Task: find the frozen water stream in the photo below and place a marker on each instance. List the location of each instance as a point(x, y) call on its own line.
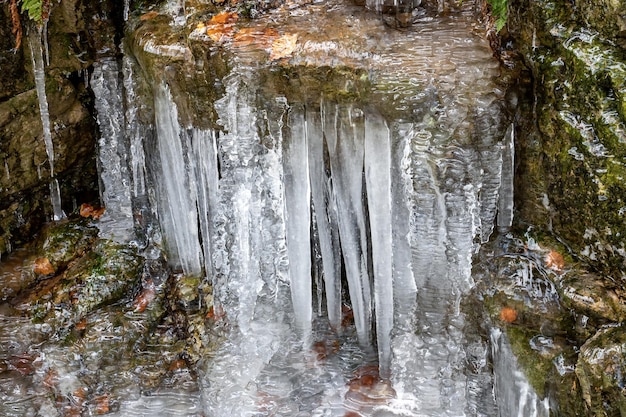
point(338, 232)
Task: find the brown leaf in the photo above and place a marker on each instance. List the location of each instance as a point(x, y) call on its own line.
point(252, 36)
point(16, 23)
point(508, 314)
point(555, 261)
point(224, 18)
point(87, 210)
point(145, 297)
point(43, 266)
point(148, 16)
point(284, 46)
point(102, 404)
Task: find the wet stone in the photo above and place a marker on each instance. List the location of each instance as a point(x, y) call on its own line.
point(601, 371)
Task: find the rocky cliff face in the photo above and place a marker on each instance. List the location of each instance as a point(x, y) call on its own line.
point(571, 195)
point(75, 32)
point(570, 177)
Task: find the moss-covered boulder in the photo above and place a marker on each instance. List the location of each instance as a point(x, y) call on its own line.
point(571, 138)
point(601, 370)
point(102, 276)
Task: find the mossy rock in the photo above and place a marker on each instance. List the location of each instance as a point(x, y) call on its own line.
point(601, 371)
point(67, 240)
point(101, 277)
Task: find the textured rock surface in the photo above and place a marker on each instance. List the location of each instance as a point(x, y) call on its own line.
point(74, 32)
point(572, 153)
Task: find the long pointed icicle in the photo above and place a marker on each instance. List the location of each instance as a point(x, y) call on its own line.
point(297, 206)
point(378, 182)
point(326, 217)
point(346, 160)
point(36, 52)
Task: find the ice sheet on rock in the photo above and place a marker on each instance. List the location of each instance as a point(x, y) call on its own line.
point(113, 165)
point(514, 394)
point(177, 190)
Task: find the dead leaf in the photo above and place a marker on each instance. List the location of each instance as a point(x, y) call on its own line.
point(284, 46)
point(177, 364)
point(555, 261)
point(145, 297)
point(224, 18)
point(508, 314)
point(102, 404)
point(252, 36)
point(43, 266)
point(148, 16)
point(87, 210)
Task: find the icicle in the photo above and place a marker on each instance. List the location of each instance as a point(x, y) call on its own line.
point(378, 181)
point(117, 222)
point(345, 147)
point(298, 218)
point(505, 202)
point(325, 217)
point(178, 198)
point(205, 157)
point(35, 40)
point(134, 130)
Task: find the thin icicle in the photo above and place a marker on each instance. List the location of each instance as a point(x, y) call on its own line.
point(505, 202)
point(297, 203)
point(36, 53)
point(205, 157)
point(325, 217)
point(378, 181)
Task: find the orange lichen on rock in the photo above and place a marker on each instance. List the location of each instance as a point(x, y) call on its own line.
point(220, 27)
point(42, 266)
point(252, 36)
point(555, 261)
point(508, 314)
point(284, 46)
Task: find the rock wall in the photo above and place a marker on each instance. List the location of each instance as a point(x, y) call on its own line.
point(571, 195)
point(75, 32)
point(572, 148)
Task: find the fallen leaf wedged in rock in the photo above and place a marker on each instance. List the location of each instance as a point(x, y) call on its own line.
point(148, 16)
point(508, 314)
point(102, 404)
point(284, 46)
point(555, 261)
point(87, 210)
point(43, 266)
point(224, 18)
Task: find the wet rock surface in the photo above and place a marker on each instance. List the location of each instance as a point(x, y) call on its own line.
point(572, 130)
point(563, 323)
point(99, 325)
